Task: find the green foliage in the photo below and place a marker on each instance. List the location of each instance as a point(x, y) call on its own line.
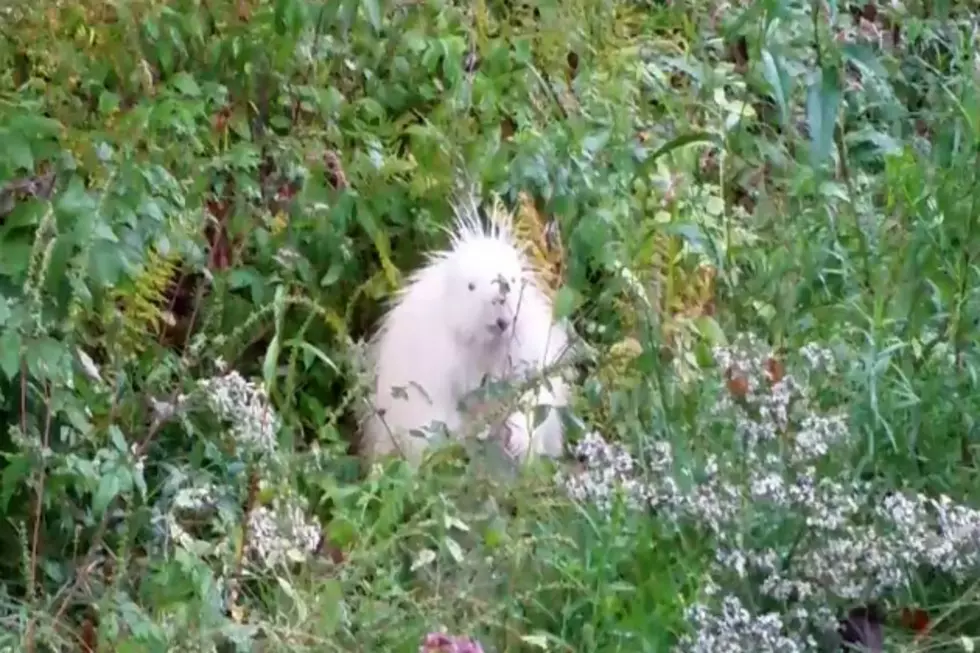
point(188, 187)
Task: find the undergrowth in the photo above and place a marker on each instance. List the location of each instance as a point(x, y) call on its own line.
point(761, 218)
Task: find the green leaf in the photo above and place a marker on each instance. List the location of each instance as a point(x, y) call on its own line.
point(314, 352)
point(690, 233)
point(40, 127)
point(862, 56)
point(17, 469)
point(16, 255)
point(139, 482)
point(373, 11)
point(279, 306)
point(333, 274)
point(18, 150)
point(684, 140)
point(565, 302)
point(47, 358)
point(711, 331)
point(330, 596)
point(822, 103)
point(240, 125)
point(108, 102)
point(4, 310)
point(25, 214)
point(270, 363)
point(109, 485)
point(62, 251)
point(715, 206)
point(455, 550)
point(104, 231)
point(775, 74)
point(882, 143)
point(105, 263)
point(754, 11)
point(10, 342)
point(595, 142)
point(184, 83)
point(117, 438)
point(242, 278)
point(76, 200)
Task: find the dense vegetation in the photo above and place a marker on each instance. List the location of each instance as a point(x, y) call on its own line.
point(761, 216)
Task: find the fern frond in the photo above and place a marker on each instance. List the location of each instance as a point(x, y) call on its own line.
point(278, 223)
point(142, 306)
point(545, 253)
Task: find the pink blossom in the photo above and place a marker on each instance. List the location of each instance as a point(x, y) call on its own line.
point(443, 643)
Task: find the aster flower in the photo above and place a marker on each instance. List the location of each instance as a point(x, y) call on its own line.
point(282, 533)
point(806, 541)
point(245, 406)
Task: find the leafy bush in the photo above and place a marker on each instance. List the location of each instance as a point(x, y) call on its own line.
point(204, 205)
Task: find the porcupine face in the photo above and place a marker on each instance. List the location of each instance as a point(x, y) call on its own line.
point(484, 289)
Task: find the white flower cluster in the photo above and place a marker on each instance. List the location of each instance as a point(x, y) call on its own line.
point(734, 629)
point(769, 405)
point(936, 532)
point(609, 471)
point(245, 406)
point(197, 498)
point(282, 534)
point(278, 533)
point(807, 541)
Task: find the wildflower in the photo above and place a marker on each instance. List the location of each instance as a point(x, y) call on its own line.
point(734, 628)
point(246, 407)
point(807, 541)
point(609, 471)
point(281, 533)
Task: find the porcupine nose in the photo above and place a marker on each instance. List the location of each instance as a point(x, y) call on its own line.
point(502, 285)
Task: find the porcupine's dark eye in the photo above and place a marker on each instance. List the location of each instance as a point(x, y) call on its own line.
point(472, 286)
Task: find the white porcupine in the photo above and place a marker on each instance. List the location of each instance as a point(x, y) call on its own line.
point(473, 312)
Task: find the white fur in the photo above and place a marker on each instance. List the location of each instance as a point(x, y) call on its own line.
point(440, 340)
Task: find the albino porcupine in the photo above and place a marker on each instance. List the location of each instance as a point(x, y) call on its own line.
point(472, 313)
